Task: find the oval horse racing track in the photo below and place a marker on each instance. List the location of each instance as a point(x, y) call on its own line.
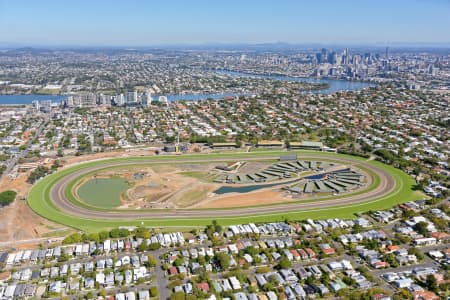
point(52, 198)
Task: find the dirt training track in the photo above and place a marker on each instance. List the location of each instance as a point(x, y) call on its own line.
point(57, 193)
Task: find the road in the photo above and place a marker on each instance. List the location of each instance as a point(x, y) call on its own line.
point(161, 280)
point(57, 195)
point(11, 163)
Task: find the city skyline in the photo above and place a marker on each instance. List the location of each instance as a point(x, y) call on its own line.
point(80, 23)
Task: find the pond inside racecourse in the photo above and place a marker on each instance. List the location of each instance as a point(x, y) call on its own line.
point(103, 192)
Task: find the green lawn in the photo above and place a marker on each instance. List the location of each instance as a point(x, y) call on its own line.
point(190, 197)
point(195, 174)
point(102, 192)
point(39, 201)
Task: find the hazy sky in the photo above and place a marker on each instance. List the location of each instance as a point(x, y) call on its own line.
point(153, 22)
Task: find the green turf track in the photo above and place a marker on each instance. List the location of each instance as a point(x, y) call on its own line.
point(39, 200)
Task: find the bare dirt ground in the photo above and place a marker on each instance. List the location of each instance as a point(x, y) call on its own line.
point(266, 196)
point(18, 221)
point(246, 199)
point(161, 186)
point(253, 167)
point(157, 187)
point(192, 195)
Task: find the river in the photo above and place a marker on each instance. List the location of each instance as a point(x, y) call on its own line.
point(27, 99)
point(334, 85)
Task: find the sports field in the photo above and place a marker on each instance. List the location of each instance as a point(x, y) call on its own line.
point(390, 186)
point(102, 192)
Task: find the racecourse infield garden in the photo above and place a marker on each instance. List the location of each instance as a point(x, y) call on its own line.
point(62, 207)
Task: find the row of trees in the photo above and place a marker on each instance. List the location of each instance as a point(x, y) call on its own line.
point(97, 236)
point(38, 173)
point(42, 171)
